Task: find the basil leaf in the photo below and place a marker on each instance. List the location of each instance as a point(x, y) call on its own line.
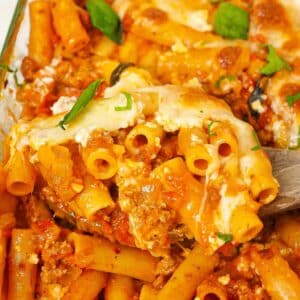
point(224, 236)
point(83, 100)
point(105, 19)
point(115, 75)
point(231, 21)
point(292, 99)
point(128, 105)
point(229, 77)
point(257, 147)
point(274, 63)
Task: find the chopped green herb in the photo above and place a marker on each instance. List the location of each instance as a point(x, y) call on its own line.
point(274, 63)
point(83, 100)
point(224, 236)
point(258, 146)
point(105, 19)
point(128, 105)
point(115, 75)
point(292, 99)
point(201, 111)
point(231, 21)
point(6, 68)
point(211, 133)
point(229, 77)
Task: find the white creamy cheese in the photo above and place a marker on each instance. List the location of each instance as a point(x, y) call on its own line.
point(129, 81)
point(227, 204)
point(63, 104)
point(198, 20)
point(180, 12)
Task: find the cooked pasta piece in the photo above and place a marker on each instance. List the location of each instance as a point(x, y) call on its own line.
point(95, 196)
point(209, 289)
point(148, 293)
point(68, 26)
point(2, 179)
point(7, 222)
point(256, 170)
point(245, 224)
point(186, 197)
point(189, 137)
point(191, 143)
point(101, 162)
point(154, 24)
point(119, 288)
point(146, 138)
point(276, 275)
point(3, 247)
point(20, 175)
point(223, 137)
point(102, 255)
point(195, 267)
point(88, 286)
point(207, 64)
point(198, 159)
point(8, 203)
point(288, 229)
point(41, 33)
point(56, 166)
point(22, 265)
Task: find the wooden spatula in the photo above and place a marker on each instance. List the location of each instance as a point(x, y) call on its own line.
point(286, 168)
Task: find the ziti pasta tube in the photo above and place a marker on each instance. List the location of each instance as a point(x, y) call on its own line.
point(280, 281)
point(88, 286)
point(195, 267)
point(119, 287)
point(22, 265)
point(102, 255)
point(68, 26)
point(41, 33)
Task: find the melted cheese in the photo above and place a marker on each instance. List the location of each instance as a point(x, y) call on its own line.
point(179, 11)
point(174, 108)
point(63, 104)
point(284, 119)
point(227, 205)
point(276, 22)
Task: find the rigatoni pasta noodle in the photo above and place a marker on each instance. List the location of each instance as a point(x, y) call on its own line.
point(20, 178)
point(245, 224)
point(195, 267)
point(41, 48)
point(94, 196)
point(101, 162)
point(94, 280)
point(119, 288)
point(104, 256)
point(208, 288)
point(22, 265)
point(67, 24)
point(280, 281)
point(145, 138)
